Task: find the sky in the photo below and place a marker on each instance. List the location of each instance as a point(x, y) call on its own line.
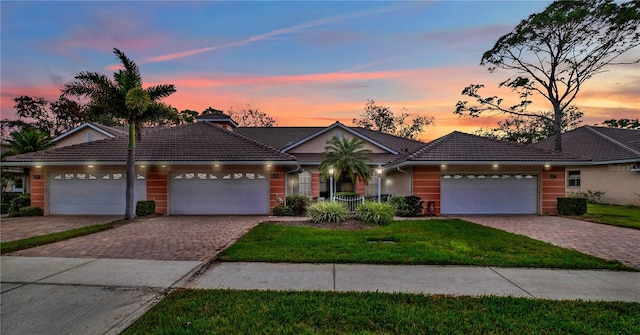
point(305, 63)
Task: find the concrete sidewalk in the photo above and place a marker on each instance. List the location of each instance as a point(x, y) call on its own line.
point(453, 280)
point(82, 295)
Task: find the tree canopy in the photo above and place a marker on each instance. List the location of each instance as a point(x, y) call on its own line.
point(382, 119)
point(553, 53)
point(347, 157)
point(623, 123)
point(27, 140)
point(252, 117)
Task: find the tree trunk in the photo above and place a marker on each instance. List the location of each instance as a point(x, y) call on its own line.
point(131, 172)
point(557, 127)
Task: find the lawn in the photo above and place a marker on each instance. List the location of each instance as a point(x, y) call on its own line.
point(270, 312)
point(623, 216)
point(11, 246)
point(407, 242)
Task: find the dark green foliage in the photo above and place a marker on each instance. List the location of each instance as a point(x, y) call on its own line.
point(375, 213)
point(282, 211)
point(8, 196)
point(4, 208)
point(593, 197)
point(272, 312)
point(407, 206)
point(23, 200)
point(346, 195)
point(572, 206)
point(30, 211)
point(298, 204)
point(145, 207)
point(327, 212)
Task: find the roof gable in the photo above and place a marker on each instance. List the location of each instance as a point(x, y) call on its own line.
point(105, 132)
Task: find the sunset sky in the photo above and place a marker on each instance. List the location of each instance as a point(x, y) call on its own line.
point(304, 63)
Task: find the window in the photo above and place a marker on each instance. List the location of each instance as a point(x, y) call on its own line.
point(89, 136)
point(573, 179)
point(18, 184)
point(304, 183)
point(371, 188)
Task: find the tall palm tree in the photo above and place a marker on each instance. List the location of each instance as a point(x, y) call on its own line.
point(124, 98)
point(27, 140)
point(347, 157)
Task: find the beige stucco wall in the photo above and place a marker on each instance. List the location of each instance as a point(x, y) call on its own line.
point(317, 144)
point(398, 183)
point(79, 137)
point(618, 183)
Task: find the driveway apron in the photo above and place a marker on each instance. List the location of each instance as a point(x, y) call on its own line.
point(25, 227)
point(604, 241)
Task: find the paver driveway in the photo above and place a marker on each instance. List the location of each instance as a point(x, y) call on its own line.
point(25, 227)
point(600, 240)
point(185, 238)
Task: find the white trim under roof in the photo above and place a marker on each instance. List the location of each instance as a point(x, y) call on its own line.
point(80, 127)
point(337, 124)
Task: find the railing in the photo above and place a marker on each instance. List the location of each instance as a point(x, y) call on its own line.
point(351, 203)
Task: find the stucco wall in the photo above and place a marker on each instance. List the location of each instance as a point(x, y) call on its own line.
point(398, 183)
point(316, 145)
point(618, 183)
point(79, 137)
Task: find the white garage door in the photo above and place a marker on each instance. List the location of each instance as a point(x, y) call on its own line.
point(205, 193)
point(489, 194)
point(91, 193)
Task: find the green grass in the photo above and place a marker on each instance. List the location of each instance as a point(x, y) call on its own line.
point(416, 242)
point(270, 312)
point(623, 216)
point(11, 246)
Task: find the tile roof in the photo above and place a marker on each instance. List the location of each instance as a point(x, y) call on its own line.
point(189, 143)
point(457, 146)
point(601, 144)
point(316, 158)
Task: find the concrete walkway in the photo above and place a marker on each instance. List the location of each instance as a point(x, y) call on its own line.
point(453, 280)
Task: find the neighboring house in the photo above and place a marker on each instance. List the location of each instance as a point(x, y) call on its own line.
point(214, 167)
point(615, 168)
point(87, 132)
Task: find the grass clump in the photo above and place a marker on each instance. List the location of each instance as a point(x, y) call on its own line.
point(272, 312)
point(454, 242)
point(11, 246)
point(375, 213)
point(326, 211)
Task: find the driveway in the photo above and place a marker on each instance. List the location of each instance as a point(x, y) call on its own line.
point(604, 241)
point(25, 227)
point(182, 238)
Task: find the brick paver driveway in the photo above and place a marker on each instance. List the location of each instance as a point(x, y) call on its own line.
point(600, 240)
point(25, 227)
point(188, 238)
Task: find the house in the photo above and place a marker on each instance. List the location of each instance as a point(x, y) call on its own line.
point(87, 132)
point(214, 167)
point(615, 167)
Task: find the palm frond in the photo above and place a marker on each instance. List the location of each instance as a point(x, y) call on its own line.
point(160, 91)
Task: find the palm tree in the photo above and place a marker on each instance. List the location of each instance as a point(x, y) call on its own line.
point(124, 98)
point(27, 140)
point(347, 157)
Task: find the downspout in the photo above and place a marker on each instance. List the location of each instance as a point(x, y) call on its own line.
point(410, 178)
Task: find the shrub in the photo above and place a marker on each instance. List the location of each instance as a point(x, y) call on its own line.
point(282, 211)
point(23, 200)
point(572, 206)
point(8, 196)
point(145, 207)
point(30, 211)
point(407, 206)
point(327, 211)
point(592, 197)
point(4, 208)
point(298, 204)
point(376, 213)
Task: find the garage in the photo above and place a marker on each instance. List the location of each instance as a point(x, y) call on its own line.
point(207, 193)
point(489, 194)
point(72, 193)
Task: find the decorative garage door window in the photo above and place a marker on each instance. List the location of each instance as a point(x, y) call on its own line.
point(93, 176)
point(216, 176)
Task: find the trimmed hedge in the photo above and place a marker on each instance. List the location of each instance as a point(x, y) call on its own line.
point(407, 206)
point(145, 207)
point(21, 201)
point(30, 211)
point(282, 211)
point(297, 204)
point(572, 206)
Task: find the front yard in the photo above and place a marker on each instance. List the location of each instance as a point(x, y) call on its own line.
point(407, 242)
point(623, 216)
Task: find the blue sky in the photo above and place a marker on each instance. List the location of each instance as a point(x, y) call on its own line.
point(304, 63)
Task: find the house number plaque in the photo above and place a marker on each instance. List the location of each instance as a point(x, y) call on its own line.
point(275, 176)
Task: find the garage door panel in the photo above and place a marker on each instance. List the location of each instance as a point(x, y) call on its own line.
point(216, 196)
point(497, 195)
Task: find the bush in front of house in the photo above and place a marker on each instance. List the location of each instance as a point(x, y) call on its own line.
point(593, 197)
point(572, 206)
point(30, 211)
point(298, 204)
point(375, 213)
point(21, 201)
point(407, 206)
point(282, 211)
point(145, 207)
point(8, 196)
point(326, 211)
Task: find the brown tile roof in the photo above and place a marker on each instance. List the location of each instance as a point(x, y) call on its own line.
point(457, 146)
point(601, 144)
point(316, 158)
point(190, 143)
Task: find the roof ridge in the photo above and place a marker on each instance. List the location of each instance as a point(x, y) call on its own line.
point(614, 141)
point(233, 133)
point(430, 145)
